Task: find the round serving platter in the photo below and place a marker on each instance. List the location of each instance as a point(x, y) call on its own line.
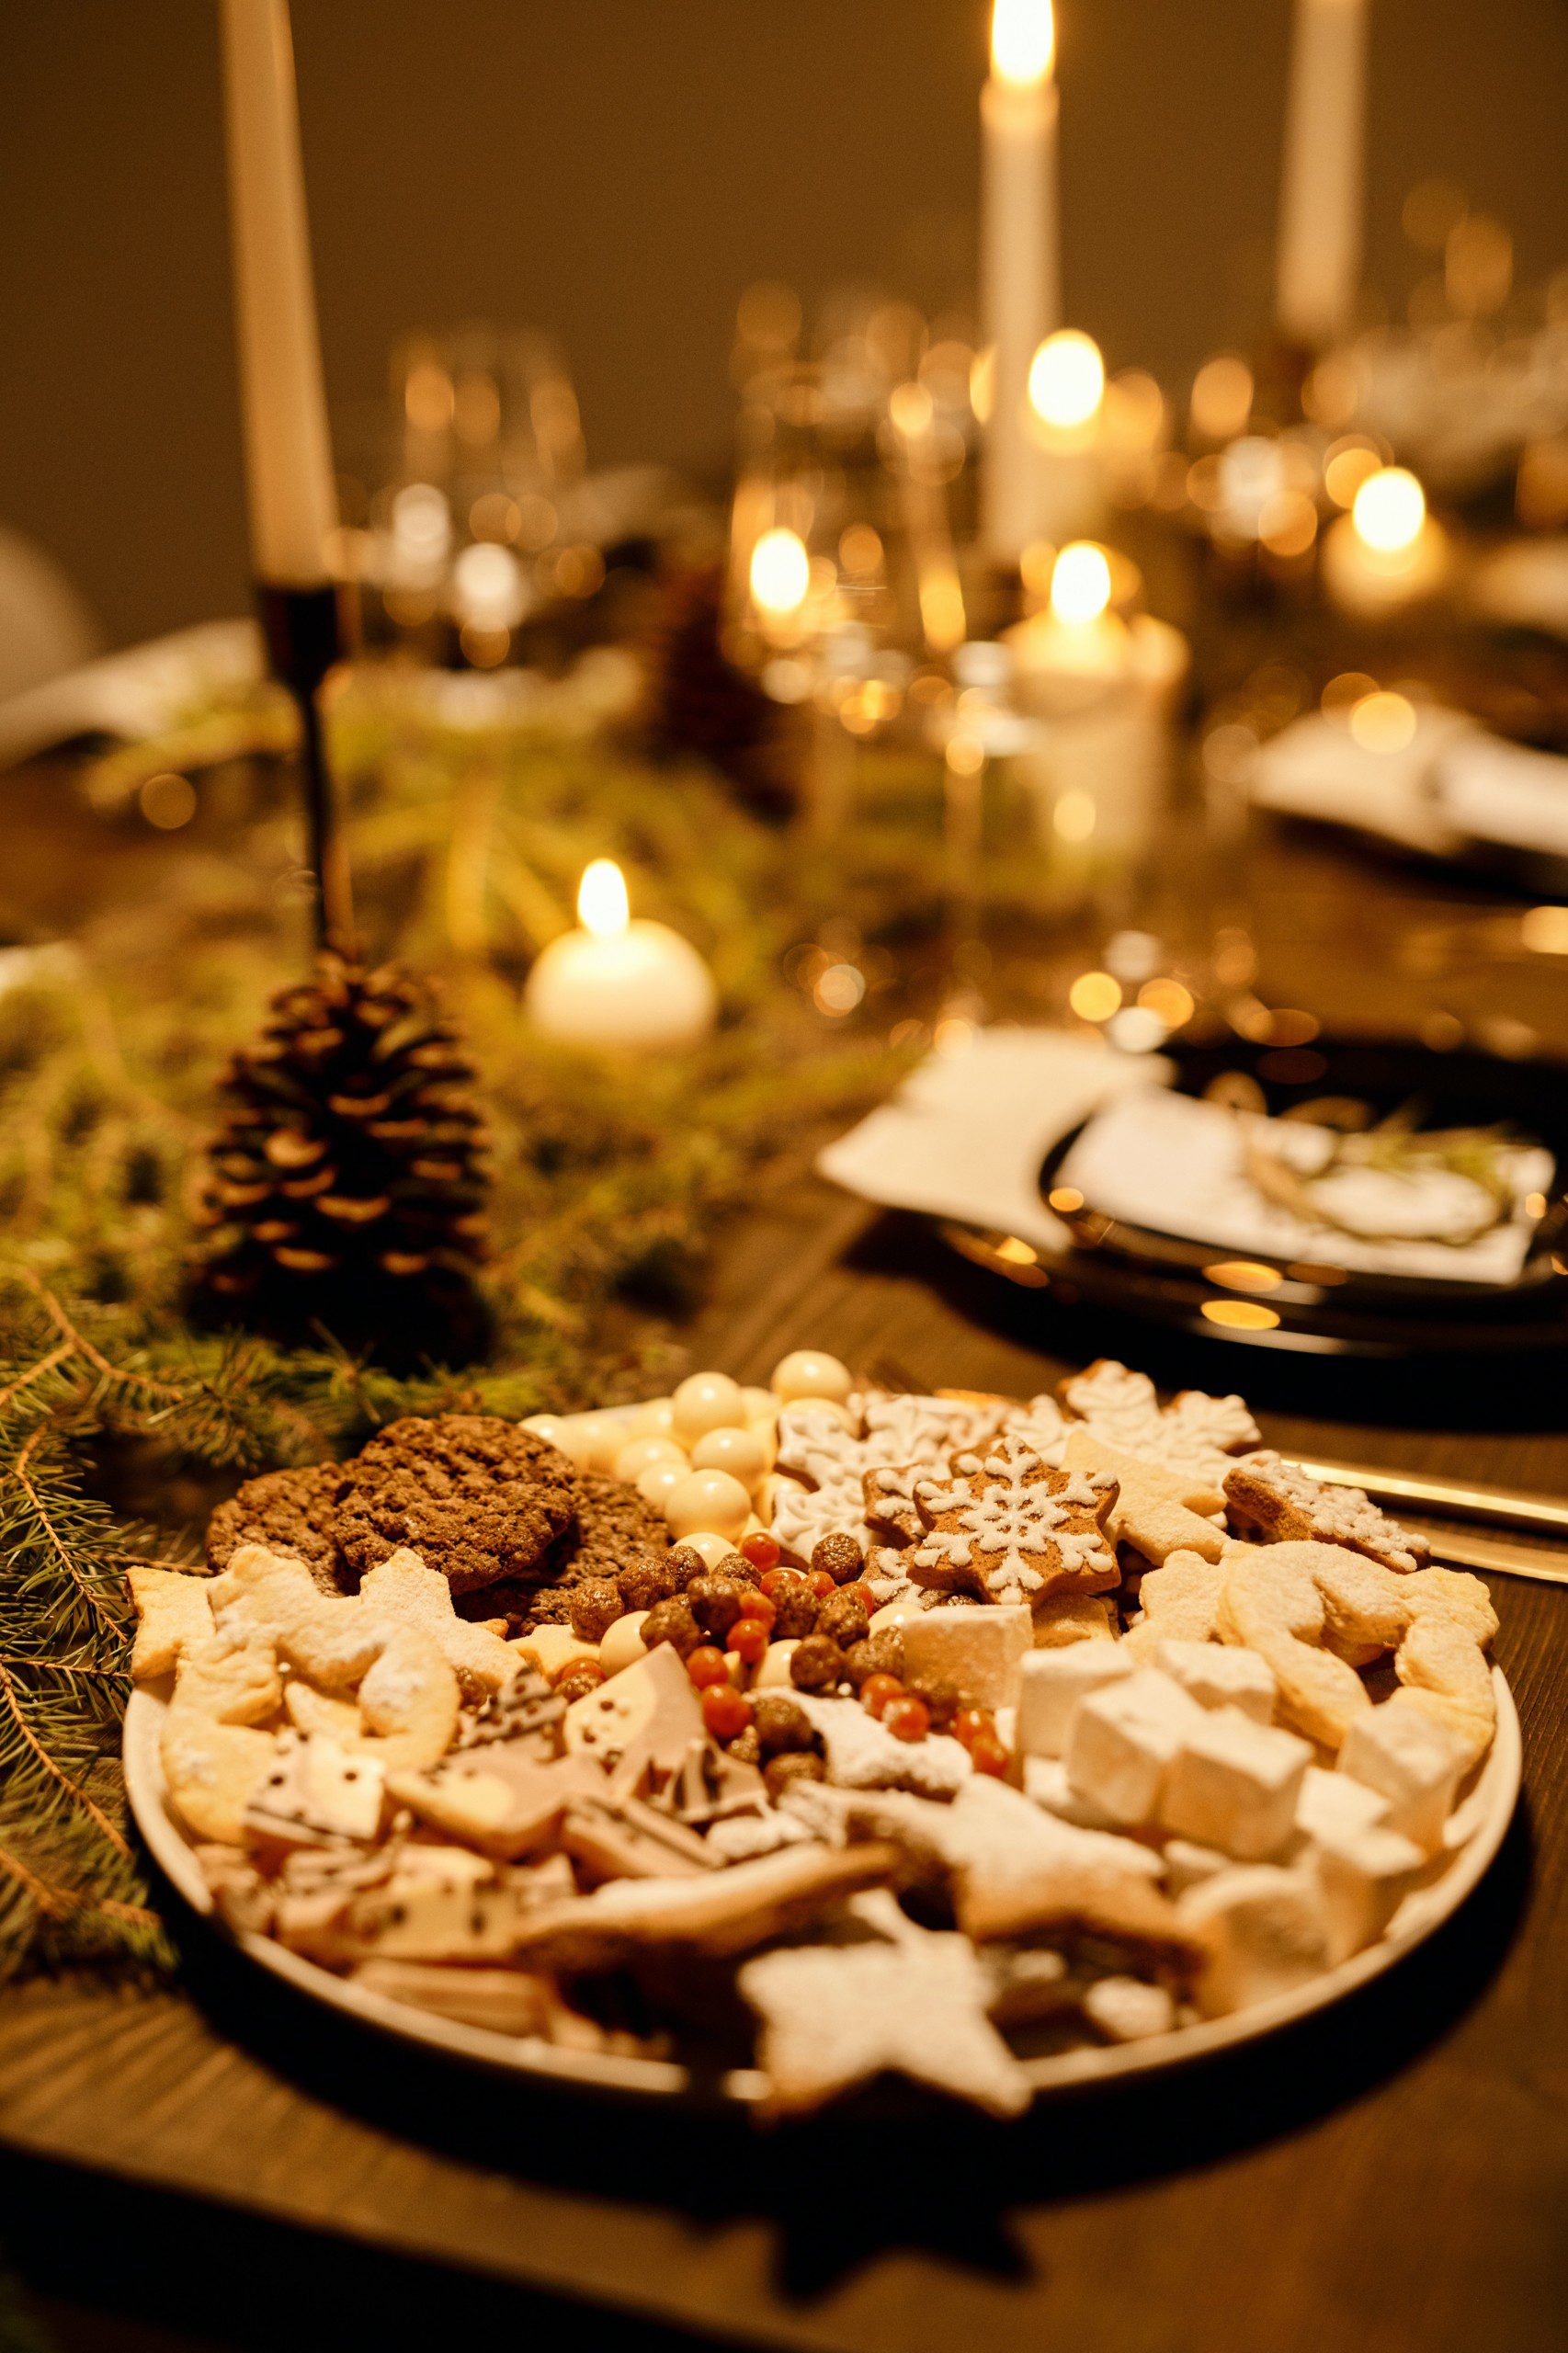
point(1310, 1309)
point(1475, 1831)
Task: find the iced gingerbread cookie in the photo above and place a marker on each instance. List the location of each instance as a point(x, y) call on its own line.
point(1006, 1526)
point(1275, 1501)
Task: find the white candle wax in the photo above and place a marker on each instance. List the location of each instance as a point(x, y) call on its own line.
point(1020, 283)
point(619, 985)
point(1320, 199)
point(293, 504)
point(1387, 553)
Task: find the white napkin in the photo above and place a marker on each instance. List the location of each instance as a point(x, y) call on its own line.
point(1451, 783)
point(1175, 1166)
point(966, 1135)
point(132, 695)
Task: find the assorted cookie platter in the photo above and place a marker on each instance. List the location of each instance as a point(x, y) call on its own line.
point(758, 1743)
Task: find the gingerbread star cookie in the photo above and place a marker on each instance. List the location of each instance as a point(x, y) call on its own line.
point(835, 2016)
point(1276, 1502)
point(1007, 1526)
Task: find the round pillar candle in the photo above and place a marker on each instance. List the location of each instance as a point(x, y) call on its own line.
point(619, 985)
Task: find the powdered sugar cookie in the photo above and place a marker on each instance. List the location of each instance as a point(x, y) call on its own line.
point(233, 1678)
point(1195, 1434)
point(1151, 1511)
point(1273, 1606)
point(174, 1611)
point(402, 1587)
point(1179, 1600)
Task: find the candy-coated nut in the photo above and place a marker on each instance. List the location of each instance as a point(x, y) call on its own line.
point(623, 1645)
point(907, 1718)
point(773, 1672)
point(760, 1549)
point(704, 1401)
point(747, 1638)
point(641, 1455)
point(706, 1664)
point(808, 1373)
point(878, 1691)
point(725, 1712)
point(891, 1614)
point(710, 1547)
point(707, 1500)
point(737, 1451)
point(552, 1649)
point(654, 1484)
point(656, 1418)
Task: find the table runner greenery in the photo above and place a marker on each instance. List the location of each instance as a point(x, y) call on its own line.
point(120, 1424)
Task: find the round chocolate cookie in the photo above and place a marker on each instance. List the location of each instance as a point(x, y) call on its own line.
point(615, 1525)
point(473, 1537)
point(288, 1511)
point(468, 1449)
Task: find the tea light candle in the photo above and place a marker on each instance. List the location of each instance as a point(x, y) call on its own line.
point(1021, 288)
point(1320, 207)
point(616, 984)
point(1387, 553)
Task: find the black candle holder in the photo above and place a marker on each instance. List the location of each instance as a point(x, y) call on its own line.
point(305, 637)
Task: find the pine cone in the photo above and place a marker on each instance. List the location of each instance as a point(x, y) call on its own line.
point(699, 701)
point(346, 1187)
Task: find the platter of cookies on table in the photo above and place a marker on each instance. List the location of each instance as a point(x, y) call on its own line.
point(750, 1745)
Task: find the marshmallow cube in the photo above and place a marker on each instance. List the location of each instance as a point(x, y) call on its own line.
point(1267, 1932)
point(1218, 1676)
point(1233, 1784)
point(1333, 1804)
point(1125, 2009)
point(1411, 1759)
point(1121, 1740)
point(1363, 1874)
point(1046, 1783)
point(1052, 1682)
point(980, 1650)
point(1189, 1865)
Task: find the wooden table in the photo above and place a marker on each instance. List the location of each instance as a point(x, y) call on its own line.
point(229, 2166)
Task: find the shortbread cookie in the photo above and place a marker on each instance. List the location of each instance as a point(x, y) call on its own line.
point(1180, 1601)
point(1443, 1667)
point(863, 1755)
point(403, 1587)
point(500, 1798)
point(728, 1910)
point(287, 1511)
point(1273, 1607)
point(1006, 1526)
point(1195, 1434)
point(1152, 1511)
point(1274, 1500)
point(1061, 1618)
point(174, 1613)
point(211, 1771)
point(1451, 1593)
point(233, 1678)
point(316, 1793)
point(834, 2017)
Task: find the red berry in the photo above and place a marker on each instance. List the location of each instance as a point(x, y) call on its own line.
point(877, 1691)
point(970, 1724)
point(725, 1711)
point(706, 1665)
point(988, 1756)
point(757, 1605)
point(771, 1579)
point(821, 1584)
point(761, 1549)
point(747, 1638)
point(907, 1718)
point(587, 1671)
point(867, 1595)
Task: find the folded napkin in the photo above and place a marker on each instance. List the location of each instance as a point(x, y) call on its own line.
point(1451, 785)
point(134, 695)
point(967, 1134)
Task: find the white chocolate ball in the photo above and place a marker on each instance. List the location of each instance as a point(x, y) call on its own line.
point(654, 1419)
point(706, 1401)
point(711, 1548)
point(623, 1645)
point(605, 1433)
point(809, 1372)
point(761, 1405)
point(739, 1452)
point(775, 1667)
point(547, 1426)
point(708, 1499)
point(641, 1454)
point(890, 1614)
point(654, 1484)
point(576, 1437)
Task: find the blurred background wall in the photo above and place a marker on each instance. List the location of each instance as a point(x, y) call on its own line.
point(618, 171)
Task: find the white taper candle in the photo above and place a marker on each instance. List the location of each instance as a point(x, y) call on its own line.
point(1321, 198)
point(1021, 262)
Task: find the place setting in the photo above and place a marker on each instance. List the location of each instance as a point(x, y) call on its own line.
point(784, 1256)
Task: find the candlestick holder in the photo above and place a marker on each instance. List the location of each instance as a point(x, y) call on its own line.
point(304, 638)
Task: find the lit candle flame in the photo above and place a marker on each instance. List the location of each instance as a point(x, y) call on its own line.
point(602, 904)
point(780, 571)
point(1067, 378)
point(1023, 41)
point(1080, 583)
point(1390, 509)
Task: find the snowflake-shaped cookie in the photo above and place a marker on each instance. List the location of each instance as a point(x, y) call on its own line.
point(1010, 1527)
point(825, 1465)
point(1195, 1434)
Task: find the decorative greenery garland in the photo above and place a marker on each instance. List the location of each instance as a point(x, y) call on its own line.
point(120, 1425)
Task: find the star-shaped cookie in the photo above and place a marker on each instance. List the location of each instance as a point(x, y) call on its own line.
point(833, 2017)
point(1007, 1526)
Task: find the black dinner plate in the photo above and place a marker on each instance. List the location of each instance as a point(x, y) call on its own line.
point(1314, 1307)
